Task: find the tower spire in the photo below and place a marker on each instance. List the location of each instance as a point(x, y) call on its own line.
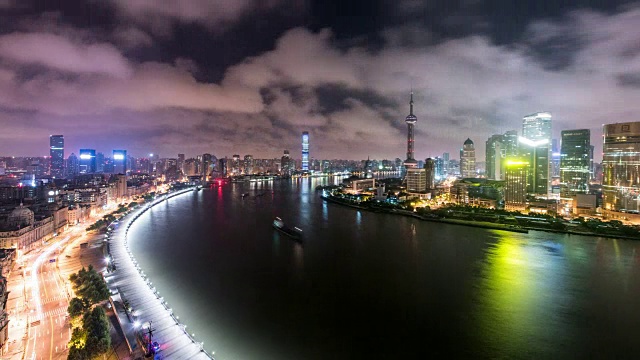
point(411, 104)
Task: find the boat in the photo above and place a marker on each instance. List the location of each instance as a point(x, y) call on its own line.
point(295, 232)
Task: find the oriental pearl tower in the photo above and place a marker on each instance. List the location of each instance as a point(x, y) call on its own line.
point(411, 119)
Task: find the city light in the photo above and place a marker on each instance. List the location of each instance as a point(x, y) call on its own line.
point(533, 143)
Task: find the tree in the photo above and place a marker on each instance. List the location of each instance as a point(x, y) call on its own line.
point(90, 286)
point(96, 326)
point(76, 307)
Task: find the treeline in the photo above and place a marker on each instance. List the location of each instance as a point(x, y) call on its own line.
point(90, 335)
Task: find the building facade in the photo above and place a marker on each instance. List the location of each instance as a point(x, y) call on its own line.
point(119, 158)
point(574, 162)
point(515, 186)
point(56, 152)
point(535, 144)
point(87, 163)
point(305, 151)
point(468, 159)
point(621, 167)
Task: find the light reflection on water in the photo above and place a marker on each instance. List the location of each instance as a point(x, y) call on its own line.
point(374, 285)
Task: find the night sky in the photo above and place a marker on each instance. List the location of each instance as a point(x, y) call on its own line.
point(247, 77)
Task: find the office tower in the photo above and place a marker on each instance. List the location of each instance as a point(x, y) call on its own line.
point(235, 165)
point(438, 170)
point(535, 144)
point(206, 166)
point(411, 119)
point(87, 163)
point(493, 157)
point(592, 167)
point(56, 152)
point(181, 163)
point(468, 159)
point(430, 169)
point(119, 158)
point(224, 171)
point(621, 167)
point(447, 168)
point(416, 180)
point(574, 162)
point(248, 164)
point(285, 164)
point(121, 185)
point(515, 185)
point(555, 158)
point(72, 166)
point(305, 151)
point(100, 162)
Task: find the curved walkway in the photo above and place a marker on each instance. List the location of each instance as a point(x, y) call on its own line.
point(132, 284)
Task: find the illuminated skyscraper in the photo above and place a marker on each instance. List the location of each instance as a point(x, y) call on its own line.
point(56, 151)
point(119, 158)
point(468, 159)
point(535, 144)
point(515, 185)
point(248, 164)
point(411, 119)
point(621, 167)
point(574, 162)
point(87, 163)
point(305, 151)
point(286, 165)
point(206, 166)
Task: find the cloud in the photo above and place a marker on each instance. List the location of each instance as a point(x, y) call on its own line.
point(58, 52)
point(132, 38)
point(159, 15)
point(352, 100)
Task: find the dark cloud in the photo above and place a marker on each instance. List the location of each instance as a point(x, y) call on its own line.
point(631, 80)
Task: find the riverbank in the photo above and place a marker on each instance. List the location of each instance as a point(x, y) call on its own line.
point(472, 223)
point(129, 282)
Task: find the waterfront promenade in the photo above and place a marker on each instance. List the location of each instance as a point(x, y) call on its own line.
point(129, 282)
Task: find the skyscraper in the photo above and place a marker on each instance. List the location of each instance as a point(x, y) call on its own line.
point(468, 159)
point(574, 162)
point(56, 152)
point(535, 144)
point(286, 168)
point(248, 164)
point(87, 163)
point(305, 151)
point(411, 119)
point(621, 167)
point(206, 166)
point(181, 163)
point(72, 166)
point(515, 185)
point(119, 161)
point(493, 157)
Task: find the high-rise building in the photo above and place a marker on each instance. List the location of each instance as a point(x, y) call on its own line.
point(468, 159)
point(119, 158)
point(56, 152)
point(574, 162)
point(181, 163)
point(286, 166)
point(411, 119)
point(248, 164)
point(87, 163)
point(100, 160)
point(555, 159)
point(430, 168)
point(621, 167)
point(206, 166)
point(493, 157)
point(535, 144)
point(72, 166)
point(235, 165)
point(305, 151)
point(416, 180)
point(515, 185)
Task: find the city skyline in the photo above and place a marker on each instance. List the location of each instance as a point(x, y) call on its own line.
point(146, 87)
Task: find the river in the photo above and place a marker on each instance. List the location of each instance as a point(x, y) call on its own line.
point(369, 285)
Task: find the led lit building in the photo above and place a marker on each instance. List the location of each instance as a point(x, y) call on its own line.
point(410, 162)
point(305, 151)
point(535, 144)
point(56, 152)
point(468, 159)
point(119, 158)
point(621, 167)
point(574, 162)
point(87, 162)
point(515, 186)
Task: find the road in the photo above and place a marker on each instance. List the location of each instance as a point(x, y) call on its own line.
point(45, 295)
